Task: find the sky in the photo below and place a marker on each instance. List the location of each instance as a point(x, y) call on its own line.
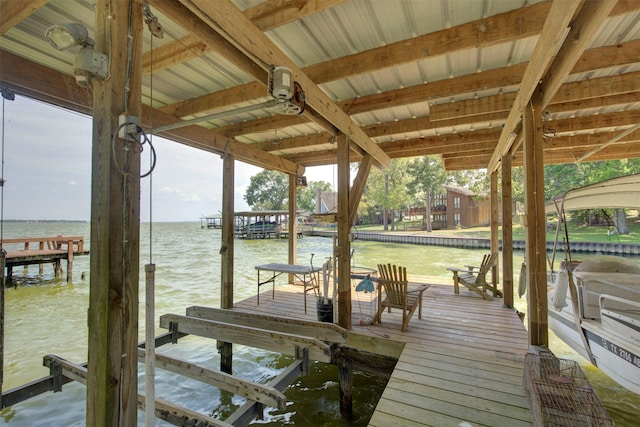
point(47, 170)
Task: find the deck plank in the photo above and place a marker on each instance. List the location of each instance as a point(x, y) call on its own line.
point(462, 362)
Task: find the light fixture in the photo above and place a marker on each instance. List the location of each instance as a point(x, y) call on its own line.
point(87, 63)
point(66, 36)
point(301, 181)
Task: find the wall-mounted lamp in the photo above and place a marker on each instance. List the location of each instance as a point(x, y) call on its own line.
point(301, 181)
point(87, 64)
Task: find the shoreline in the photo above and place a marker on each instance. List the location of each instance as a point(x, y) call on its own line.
point(413, 238)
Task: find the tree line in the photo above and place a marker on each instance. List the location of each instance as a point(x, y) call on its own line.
point(413, 182)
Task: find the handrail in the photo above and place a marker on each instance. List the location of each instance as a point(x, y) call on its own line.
point(54, 242)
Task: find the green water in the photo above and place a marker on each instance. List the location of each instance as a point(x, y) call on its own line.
point(45, 315)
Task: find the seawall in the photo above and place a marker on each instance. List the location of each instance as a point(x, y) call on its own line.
point(480, 243)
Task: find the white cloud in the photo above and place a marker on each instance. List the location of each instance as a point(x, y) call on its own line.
point(185, 184)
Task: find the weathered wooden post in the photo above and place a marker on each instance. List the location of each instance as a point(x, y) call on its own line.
point(226, 254)
point(3, 263)
point(57, 268)
point(345, 376)
point(507, 232)
point(70, 261)
point(41, 265)
point(494, 241)
point(536, 239)
point(112, 372)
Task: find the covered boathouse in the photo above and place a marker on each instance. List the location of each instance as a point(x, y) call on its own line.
point(285, 85)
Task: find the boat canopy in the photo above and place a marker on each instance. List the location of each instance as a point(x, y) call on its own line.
point(622, 192)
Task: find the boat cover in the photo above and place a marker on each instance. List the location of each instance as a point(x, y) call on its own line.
point(622, 192)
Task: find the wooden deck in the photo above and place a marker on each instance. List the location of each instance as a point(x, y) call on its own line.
point(21, 251)
point(463, 361)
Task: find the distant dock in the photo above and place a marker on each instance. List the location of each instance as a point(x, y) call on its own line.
point(39, 250)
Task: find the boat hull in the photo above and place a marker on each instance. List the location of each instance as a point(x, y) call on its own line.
point(615, 357)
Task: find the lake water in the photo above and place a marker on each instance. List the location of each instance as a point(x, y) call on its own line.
point(49, 316)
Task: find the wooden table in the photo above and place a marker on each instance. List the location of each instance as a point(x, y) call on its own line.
point(299, 271)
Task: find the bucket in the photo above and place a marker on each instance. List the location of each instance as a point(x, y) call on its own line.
point(325, 311)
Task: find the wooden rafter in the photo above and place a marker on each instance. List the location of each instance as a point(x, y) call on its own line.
point(549, 41)
point(220, 100)
point(34, 80)
point(275, 13)
point(502, 28)
point(194, 26)
point(12, 12)
point(226, 18)
point(170, 54)
point(583, 28)
point(569, 92)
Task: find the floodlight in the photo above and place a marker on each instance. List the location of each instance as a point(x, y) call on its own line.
point(87, 63)
point(65, 36)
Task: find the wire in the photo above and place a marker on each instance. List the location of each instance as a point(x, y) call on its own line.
point(132, 137)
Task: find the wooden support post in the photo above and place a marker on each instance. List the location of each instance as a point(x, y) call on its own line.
point(293, 222)
point(41, 265)
point(345, 381)
point(358, 186)
point(226, 254)
point(112, 375)
point(344, 228)
point(227, 248)
point(70, 261)
point(57, 267)
point(344, 269)
point(507, 232)
point(3, 263)
point(495, 244)
point(536, 245)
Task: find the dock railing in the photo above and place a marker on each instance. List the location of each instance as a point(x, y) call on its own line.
point(38, 250)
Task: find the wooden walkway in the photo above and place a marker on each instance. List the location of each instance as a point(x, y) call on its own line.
point(462, 362)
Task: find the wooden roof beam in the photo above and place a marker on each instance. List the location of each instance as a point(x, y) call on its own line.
point(275, 13)
point(549, 41)
point(583, 28)
point(598, 121)
point(170, 54)
point(224, 17)
point(588, 141)
point(595, 58)
point(592, 59)
point(38, 82)
point(609, 90)
point(194, 26)
point(489, 31)
point(217, 101)
point(13, 12)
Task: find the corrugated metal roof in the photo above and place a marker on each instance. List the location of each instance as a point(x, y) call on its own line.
point(346, 29)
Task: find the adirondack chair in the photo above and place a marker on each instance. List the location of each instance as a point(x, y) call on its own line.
point(474, 277)
point(398, 294)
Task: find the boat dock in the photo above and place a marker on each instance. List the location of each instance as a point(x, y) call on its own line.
point(39, 250)
point(463, 361)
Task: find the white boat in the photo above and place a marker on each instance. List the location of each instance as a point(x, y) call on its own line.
point(594, 306)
